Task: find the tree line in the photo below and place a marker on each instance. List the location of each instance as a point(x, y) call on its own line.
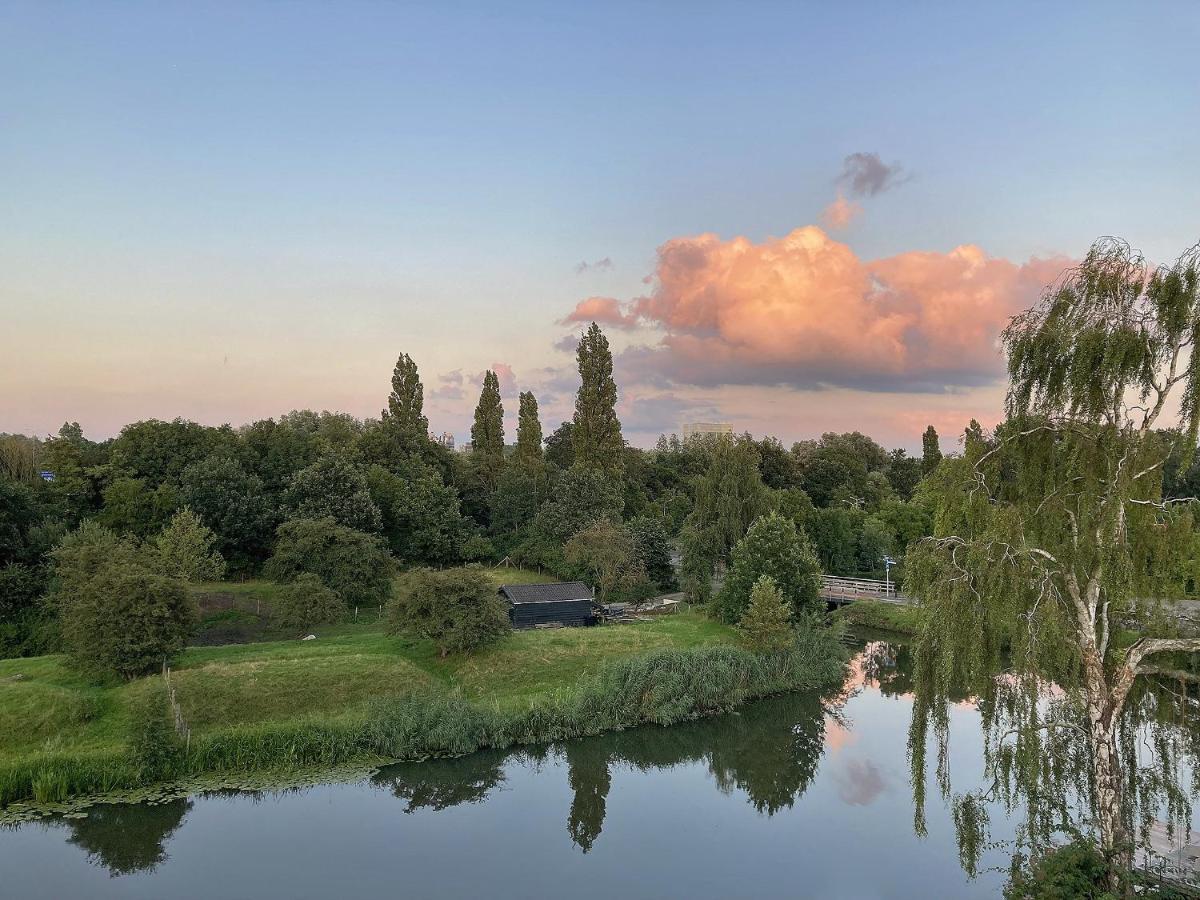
point(346, 501)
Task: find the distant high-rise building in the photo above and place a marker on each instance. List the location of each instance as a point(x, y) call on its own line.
point(445, 439)
point(706, 429)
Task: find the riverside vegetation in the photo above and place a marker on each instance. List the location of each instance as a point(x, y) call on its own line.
point(364, 696)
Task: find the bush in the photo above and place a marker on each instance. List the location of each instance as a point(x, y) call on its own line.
point(307, 602)
point(85, 552)
point(125, 620)
point(458, 609)
point(1075, 870)
point(772, 547)
point(184, 550)
point(154, 745)
point(766, 626)
point(355, 565)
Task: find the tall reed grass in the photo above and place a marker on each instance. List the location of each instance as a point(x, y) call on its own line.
point(662, 688)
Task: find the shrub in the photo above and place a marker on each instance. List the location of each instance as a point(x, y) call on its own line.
point(125, 620)
point(85, 552)
point(1075, 870)
point(605, 552)
point(458, 609)
point(766, 626)
point(306, 602)
point(184, 549)
point(772, 547)
point(355, 565)
point(154, 745)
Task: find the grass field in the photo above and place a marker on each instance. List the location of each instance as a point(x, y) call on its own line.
point(44, 705)
point(357, 691)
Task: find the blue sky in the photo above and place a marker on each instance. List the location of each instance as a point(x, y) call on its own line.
point(230, 210)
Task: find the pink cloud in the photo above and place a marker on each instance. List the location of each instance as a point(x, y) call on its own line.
point(840, 213)
point(603, 310)
point(804, 310)
point(504, 374)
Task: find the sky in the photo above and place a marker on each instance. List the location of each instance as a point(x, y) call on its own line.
point(792, 217)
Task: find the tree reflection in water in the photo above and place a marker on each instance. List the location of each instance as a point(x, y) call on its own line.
point(442, 783)
point(769, 750)
point(127, 837)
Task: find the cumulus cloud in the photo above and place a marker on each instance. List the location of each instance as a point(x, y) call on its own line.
point(449, 386)
point(602, 310)
point(840, 213)
point(805, 311)
point(506, 377)
point(584, 265)
point(860, 781)
point(865, 175)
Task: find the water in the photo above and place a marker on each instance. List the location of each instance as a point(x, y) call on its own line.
point(799, 796)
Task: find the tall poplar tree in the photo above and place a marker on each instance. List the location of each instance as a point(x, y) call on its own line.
point(407, 400)
point(487, 434)
point(931, 449)
point(597, 430)
point(529, 430)
point(1050, 535)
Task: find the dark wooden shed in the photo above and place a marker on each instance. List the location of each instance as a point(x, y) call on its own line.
point(563, 603)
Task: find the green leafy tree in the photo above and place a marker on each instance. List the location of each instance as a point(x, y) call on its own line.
point(772, 546)
point(728, 497)
point(76, 464)
point(560, 446)
point(777, 465)
point(931, 450)
point(394, 446)
point(19, 512)
point(529, 430)
point(458, 609)
point(21, 616)
point(653, 546)
point(132, 507)
point(1047, 533)
point(85, 552)
point(406, 403)
point(235, 505)
point(766, 626)
point(334, 487)
point(605, 552)
point(308, 602)
point(125, 620)
point(520, 492)
point(579, 497)
point(184, 550)
point(422, 519)
point(596, 436)
point(156, 451)
point(487, 434)
point(278, 450)
point(354, 564)
point(903, 473)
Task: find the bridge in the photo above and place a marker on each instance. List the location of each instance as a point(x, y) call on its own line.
point(840, 591)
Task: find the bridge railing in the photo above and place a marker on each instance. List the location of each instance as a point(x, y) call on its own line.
point(865, 588)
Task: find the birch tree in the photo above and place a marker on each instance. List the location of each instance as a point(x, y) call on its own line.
point(1051, 535)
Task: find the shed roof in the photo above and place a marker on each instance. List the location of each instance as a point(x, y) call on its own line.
point(543, 593)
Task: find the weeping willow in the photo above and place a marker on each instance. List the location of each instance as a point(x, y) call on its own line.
point(1055, 560)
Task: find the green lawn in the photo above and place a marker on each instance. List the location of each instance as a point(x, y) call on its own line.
point(45, 706)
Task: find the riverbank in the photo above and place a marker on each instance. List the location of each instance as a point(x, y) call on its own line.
point(882, 616)
point(366, 696)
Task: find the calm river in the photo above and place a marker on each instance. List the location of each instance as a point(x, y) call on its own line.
point(798, 796)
